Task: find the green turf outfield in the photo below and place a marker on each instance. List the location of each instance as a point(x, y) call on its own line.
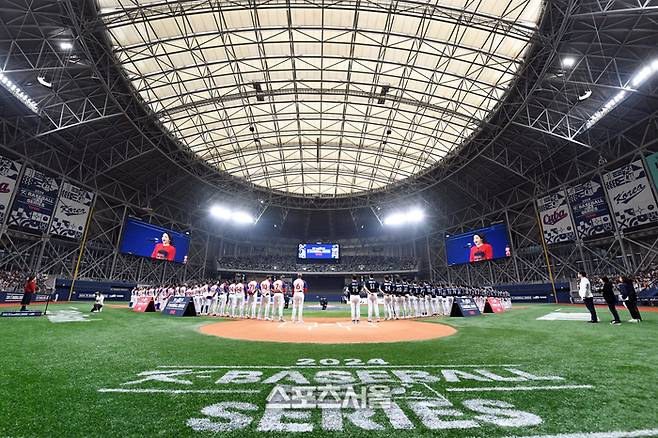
point(52, 374)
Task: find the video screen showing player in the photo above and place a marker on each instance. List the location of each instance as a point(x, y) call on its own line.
point(164, 250)
point(488, 243)
point(148, 240)
point(481, 250)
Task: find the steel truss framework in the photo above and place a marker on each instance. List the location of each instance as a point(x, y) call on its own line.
point(92, 130)
point(622, 252)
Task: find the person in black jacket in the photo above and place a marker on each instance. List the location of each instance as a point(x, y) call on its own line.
point(610, 299)
point(629, 296)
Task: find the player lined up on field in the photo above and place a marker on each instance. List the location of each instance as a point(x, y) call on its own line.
point(265, 300)
point(404, 298)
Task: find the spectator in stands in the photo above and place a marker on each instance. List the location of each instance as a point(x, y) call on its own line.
point(29, 289)
point(585, 292)
point(610, 299)
point(627, 291)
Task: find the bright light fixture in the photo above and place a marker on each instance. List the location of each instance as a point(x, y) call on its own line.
point(18, 93)
point(638, 79)
point(220, 212)
point(568, 61)
point(224, 213)
point(241, 217)
point(412, 216)
point(66, 45)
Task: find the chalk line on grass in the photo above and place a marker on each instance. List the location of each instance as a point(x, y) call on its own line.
point(519, 388)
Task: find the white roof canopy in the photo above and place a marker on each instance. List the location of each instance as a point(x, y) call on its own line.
point(285, 93)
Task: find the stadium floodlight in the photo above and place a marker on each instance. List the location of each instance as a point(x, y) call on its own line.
point(568, 61)
point(18, 93)
point(224, 213)
point(638, 79)
point(65, 45)
point(241, 217)
point(411, 216)
point(415, 215)
point(394, 219)
point(220, 212)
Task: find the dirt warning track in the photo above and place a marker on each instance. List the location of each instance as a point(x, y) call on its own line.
point(328, 331)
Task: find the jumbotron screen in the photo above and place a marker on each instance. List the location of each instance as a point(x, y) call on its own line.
point(148, 240)
point(318, 251)
point(487, 243)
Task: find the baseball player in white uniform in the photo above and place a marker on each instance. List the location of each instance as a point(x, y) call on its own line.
point(265, 287)
point(239, 298)
point(427, 291)
point(372, 288)
point(299, 288)
point(252, 295)
point(434, 300)
point(214, 293)
point(209, 295)
point(220, 308)
point(388, 289)
point(279, 288)
point(232, 298)
point(196, 298)
point(354, 289)
point(448, 297)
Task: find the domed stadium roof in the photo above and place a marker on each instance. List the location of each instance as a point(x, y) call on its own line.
point(321, 99)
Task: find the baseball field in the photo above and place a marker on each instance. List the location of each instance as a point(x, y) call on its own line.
point(120, 373)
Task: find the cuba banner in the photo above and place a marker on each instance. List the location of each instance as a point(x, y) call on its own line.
point(630, 196)
point(9, 170)
point(591, 213)
point(35, 201)
point(71, 212)
point(556, 218)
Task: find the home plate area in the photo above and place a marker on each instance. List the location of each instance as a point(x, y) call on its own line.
point(328, 331)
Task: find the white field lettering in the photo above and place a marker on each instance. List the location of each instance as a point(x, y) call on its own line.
point(349, 393)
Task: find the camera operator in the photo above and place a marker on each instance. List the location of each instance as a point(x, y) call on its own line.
point(99, 299)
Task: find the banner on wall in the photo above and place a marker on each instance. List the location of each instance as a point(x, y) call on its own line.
point(630, 196)
point(35, 201)
point(9, 170)
point(652, 167)
point(591, 213)
point(71, 212)
point(556, 218)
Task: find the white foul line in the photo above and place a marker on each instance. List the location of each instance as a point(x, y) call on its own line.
point(180, 391)
point(359, 367)
point(435, 392)
point(518, 388)
point(617, 434)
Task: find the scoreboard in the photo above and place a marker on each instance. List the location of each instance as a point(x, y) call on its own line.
point(318, 251)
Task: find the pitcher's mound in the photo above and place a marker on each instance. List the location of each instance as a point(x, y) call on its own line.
point(328, 331)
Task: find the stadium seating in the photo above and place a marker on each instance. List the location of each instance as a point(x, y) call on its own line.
point(290, 264)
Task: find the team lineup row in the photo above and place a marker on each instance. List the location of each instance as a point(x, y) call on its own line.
point(402, 299)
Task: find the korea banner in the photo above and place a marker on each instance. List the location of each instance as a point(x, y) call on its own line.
point(35, 201)
point(556, 218)
point(71, 212)
point(9, 170)
point(591, 213)
point(630, 196)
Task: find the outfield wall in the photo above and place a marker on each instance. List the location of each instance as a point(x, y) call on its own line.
point(536, 293)
point(85, 289)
